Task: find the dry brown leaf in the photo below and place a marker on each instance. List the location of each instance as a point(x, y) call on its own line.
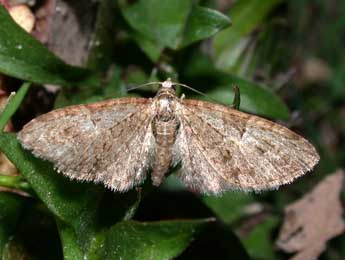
point(66, 28)
point(311, 221)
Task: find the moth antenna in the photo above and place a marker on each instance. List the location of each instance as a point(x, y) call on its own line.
point(144, 85)
point(196, 91)
point(150, 83)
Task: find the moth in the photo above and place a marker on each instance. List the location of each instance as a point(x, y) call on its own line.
point(116, 142)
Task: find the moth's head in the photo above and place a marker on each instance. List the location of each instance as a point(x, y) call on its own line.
point(167, 88)
point(168, 84)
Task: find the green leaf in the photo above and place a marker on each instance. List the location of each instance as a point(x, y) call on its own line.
point(150, 240)
point(161, 21)
point(13, 105)
point(203, 23)
point(173, 24)
point(10, 210)
point(231, 43)
point(23, 57)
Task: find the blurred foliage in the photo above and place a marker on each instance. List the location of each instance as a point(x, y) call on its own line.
point(286, 57)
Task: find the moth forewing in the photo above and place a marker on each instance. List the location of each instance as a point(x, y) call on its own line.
point(107, 142)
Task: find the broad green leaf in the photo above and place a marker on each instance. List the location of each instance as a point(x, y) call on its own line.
point(246, 16)
point(173, 24)
point(259, 242)
point(13, 105)
point(10, 210)
point(23, 57)
point(150, 240)
point(255, 98)
point(203, 23)
point(230, 206)
point(161, 21)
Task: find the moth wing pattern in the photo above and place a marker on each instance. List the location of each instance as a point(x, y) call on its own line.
point(222, 148)
point(109, 142)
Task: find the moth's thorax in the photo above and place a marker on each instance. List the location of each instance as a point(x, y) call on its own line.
point(165, 102)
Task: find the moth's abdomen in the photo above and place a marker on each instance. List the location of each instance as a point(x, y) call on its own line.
point(165, 135)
